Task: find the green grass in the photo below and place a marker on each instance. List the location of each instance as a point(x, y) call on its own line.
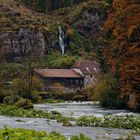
point(122, 122)
point(80, 137)
point(57, 60)
point(24, 134)
point(13, 111)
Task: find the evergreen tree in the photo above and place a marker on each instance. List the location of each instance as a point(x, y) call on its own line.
point(49, 5)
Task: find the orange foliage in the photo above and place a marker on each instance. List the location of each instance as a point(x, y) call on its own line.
point(124, 23)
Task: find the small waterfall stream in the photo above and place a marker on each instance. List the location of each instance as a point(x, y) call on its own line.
point(61, 39)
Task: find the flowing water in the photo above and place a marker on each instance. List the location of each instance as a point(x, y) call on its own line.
point(61, 39)
point(74, 109)
point(77, 109)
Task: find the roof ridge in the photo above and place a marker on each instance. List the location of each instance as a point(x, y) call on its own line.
point(58, 73)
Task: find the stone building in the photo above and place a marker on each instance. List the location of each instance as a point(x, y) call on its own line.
point(82, 74)
point(66, 77)
point(88, 69)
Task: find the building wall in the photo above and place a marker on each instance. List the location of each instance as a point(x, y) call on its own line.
point(89, 80)
point(67, 82)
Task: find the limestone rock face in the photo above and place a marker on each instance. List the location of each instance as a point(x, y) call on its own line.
point(24, 33)
point(22, 43)
point(91, 23)
point(89, 18)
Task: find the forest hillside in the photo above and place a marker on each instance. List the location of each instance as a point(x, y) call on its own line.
point(107, 31)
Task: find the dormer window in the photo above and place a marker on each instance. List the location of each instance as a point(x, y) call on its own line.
point(95, 69)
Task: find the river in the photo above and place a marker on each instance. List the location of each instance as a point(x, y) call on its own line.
point(77, 109)
point(74, 109)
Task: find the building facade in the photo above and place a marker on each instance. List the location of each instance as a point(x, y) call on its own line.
point(82, 74)
point(89, 69)
point(66, 77)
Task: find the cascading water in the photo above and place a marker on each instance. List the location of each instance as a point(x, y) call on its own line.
point(61, 39)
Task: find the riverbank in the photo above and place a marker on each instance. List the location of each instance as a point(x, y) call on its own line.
point(49, 126)
point(25, 134)
point(69, 114)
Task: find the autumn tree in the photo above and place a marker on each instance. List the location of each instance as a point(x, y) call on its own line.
point(123, 53)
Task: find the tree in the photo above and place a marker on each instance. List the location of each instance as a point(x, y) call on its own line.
point(123, 51)
point(50, 5)
point(107, 92)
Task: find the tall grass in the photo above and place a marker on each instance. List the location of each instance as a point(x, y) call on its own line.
point(7, 1)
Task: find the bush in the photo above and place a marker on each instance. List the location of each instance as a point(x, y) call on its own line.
point(10, 100)
point(88, 92)
point(107, 92)
point(108, 121)
point(24, 103)
point(57, 60)
point(4, 93)
point(12, 70)
point(14, 111)
point(80, 137)
point(19, 133)
point(36, 98)
point(36, 83)
point(21, 88)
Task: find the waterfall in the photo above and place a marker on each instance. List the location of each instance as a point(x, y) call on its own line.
point(61, 39)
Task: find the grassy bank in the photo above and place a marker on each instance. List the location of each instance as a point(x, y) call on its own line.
point(122, 122)
point(24, 134)
point(14, 111)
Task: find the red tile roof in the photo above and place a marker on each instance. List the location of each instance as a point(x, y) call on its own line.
point(87, 67)
point(58, 73)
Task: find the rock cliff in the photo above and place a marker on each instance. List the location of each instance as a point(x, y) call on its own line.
point(23, 32)
point(90, 18)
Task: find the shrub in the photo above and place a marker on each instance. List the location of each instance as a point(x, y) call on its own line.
point(10, 100)
point(21, 88)
point(7, 2)
point(57, 60)
point(14, 111)
point(12, 70)
point(18, 134)
point(80, 137)
point(108, 121)
point(25, 103)
point(107, 92)
point(88, 92)
point(36, 98)
point(36, 83)
point(4, 93)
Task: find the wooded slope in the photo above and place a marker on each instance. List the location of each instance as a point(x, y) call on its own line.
point(123, 53)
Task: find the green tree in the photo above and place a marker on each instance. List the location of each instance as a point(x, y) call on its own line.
point(49, 5)
point(107, 92)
